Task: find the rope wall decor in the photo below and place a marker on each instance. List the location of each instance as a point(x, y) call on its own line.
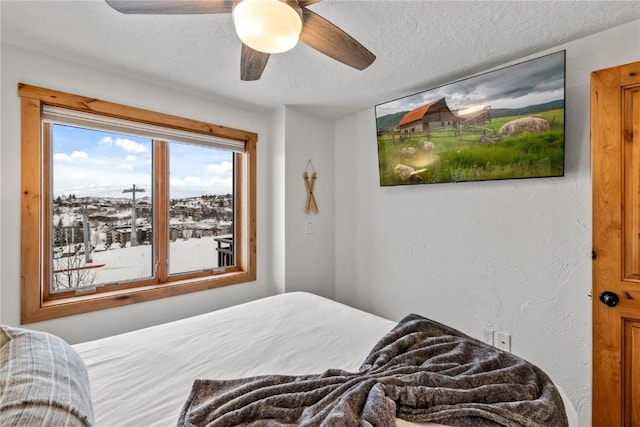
point(309, 182)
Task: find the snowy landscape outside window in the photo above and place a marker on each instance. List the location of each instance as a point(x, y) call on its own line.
point(103, 216)
point(123, 205)
point(201, 211)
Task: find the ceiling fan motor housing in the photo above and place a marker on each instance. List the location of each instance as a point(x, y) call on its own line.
point(269, 26)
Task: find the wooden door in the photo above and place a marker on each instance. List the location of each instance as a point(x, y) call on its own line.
point(615, 168)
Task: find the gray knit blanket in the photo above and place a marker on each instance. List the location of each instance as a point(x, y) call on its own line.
point(420, 371)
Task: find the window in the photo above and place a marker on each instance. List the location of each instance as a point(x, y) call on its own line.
point(123, 205)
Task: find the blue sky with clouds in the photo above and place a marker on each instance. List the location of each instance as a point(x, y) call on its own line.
point(102, 164)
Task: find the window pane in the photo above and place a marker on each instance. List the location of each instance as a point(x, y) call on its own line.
point(201, 208)
point(102, 219)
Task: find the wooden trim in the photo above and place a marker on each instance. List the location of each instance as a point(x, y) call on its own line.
point(30, 233)
point(87, 303)
point(92, 105)
point(239, 200)
point(161, 210)
point(605, 96)
point(250, 223)
point(632, 415)
point(631, 157)
point(631, 330)
point(45, 241)
point(37, 305)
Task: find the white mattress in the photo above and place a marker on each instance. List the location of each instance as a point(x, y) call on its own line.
point(144, 377)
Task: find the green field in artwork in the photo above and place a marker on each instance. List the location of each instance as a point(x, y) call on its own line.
point(474, 153)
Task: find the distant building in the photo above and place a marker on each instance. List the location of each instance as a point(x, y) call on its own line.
point(122, 234)
point(185, 212)
point(67, 235)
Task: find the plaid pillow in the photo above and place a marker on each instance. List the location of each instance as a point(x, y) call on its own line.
point(43, 381)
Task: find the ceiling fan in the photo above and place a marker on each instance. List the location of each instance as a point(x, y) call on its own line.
point(265, 27)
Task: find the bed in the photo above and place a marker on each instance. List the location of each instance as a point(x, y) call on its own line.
point(143, 378)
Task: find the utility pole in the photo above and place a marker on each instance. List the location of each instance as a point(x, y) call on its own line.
point(134, 232)
point(85, 232)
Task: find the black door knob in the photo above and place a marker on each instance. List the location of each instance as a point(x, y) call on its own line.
point(609, 298)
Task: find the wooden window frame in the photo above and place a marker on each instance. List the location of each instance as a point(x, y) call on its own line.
point(36, 302)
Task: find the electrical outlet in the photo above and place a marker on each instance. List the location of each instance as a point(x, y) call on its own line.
point(503, 341)
point(487, 336)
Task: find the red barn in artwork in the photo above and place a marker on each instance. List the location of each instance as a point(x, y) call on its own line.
point(433, 115)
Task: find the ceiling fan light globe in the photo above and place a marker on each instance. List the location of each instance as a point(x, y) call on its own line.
point(269, 26)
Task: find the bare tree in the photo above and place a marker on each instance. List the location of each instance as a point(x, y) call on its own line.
point(70, 271)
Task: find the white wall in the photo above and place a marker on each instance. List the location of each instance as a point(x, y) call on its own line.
point(309, 257)
point(276, 199)
point(28, 67)
point(301, 261)
point(513, 255)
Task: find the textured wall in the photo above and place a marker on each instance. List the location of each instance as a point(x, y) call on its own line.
point(309, 252)
point(513, 255)
point(25, 66)
point(300, 261)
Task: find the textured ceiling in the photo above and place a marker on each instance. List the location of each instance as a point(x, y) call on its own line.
point(418, 44)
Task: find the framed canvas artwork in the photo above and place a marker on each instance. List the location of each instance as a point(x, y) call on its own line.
point(503, 124)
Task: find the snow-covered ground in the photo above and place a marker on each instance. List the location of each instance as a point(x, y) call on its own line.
point(133, 263)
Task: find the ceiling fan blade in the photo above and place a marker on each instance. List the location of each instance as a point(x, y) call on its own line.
point(325, 37)
point(305, 3)
point(252, 63)
point(171, 7)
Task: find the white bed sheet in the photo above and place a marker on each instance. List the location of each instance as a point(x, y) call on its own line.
point(142, 378)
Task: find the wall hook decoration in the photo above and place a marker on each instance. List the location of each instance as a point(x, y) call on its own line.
point(309, 182)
